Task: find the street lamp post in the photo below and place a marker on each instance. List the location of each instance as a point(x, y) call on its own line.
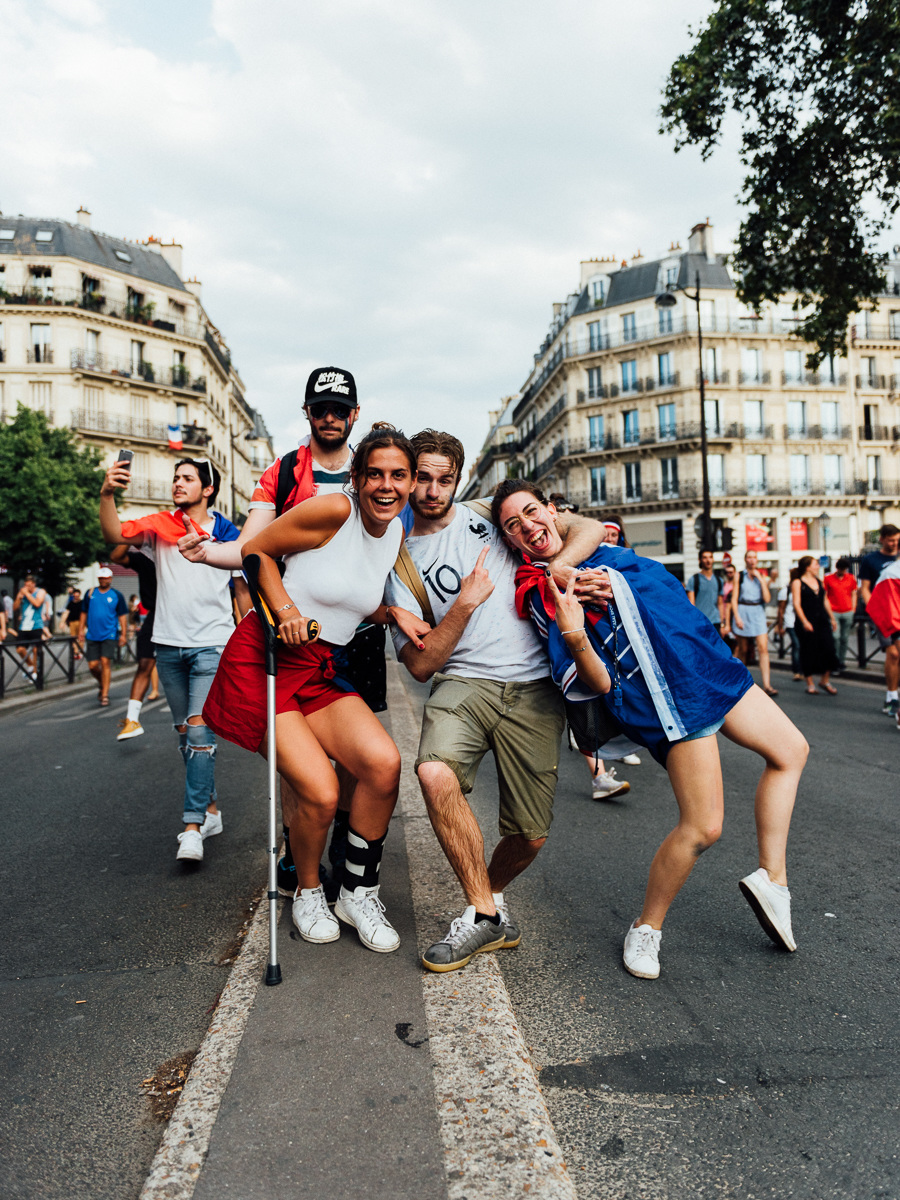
point(667, 300)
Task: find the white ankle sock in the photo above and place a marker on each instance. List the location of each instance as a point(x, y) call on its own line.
point(134, 710)
point(891, 696)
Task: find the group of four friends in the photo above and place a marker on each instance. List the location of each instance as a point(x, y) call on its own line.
point(522, 618)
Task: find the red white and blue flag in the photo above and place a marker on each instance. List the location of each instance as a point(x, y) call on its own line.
point(175, 442)
point(883, 608)
point(169, 527)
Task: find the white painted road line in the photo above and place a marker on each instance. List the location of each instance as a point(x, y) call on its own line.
point(498, 1139)
point(179, 1159)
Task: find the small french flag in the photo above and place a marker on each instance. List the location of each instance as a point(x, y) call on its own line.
point(175, 442)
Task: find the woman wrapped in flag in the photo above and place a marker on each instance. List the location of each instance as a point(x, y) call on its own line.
point(338, 551)
point(651, 668)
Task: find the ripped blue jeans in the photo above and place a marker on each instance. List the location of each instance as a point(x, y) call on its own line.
point(186, 674)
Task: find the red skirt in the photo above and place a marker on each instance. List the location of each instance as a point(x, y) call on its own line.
point(236, 705)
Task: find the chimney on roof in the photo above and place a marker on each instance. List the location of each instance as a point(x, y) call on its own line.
point(171, 252)
point(83, 217)
point(701, 241)
point(195, 287)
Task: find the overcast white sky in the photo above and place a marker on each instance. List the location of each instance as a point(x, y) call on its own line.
point(399, 187)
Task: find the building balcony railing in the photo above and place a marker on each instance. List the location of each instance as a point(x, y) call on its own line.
point(540, 425)
point(871, 383)
point(39, 354)
point(876, 433)
point(103, 364)
point(812, 379)
point(756, 433)
point(754, 378)
point(149, 489)
point(660, 382)
point(713, 377)
point(877, 332)
point(543, 467)
point(690, 491)
point(98, 302)
point(136, 427)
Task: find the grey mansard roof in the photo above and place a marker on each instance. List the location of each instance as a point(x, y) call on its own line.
point(642, 282)
point(77, 241)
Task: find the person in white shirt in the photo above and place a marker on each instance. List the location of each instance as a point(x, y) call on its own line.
point(192, 623)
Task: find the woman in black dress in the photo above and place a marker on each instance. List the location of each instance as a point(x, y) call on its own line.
point(815, 626)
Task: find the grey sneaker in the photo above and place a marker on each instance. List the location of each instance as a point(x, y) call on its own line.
point(465, 939)
point(510, 928)
point(606, 786)
point(772, 905)
point(891, 708)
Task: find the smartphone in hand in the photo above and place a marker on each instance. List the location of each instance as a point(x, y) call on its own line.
point(124, 459)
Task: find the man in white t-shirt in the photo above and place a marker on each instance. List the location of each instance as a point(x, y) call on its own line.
point(193, 621)
point(491, 690)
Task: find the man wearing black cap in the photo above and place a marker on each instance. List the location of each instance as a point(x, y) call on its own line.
point(320, 465)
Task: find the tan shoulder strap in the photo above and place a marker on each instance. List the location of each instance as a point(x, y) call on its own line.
point(407, 574)
point(481, 506)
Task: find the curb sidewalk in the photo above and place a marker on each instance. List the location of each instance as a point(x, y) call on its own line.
point(314, 1087)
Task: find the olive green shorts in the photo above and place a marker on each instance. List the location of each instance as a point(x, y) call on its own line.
point(521, 723)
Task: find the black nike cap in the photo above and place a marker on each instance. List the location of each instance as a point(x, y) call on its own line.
point(331, 383)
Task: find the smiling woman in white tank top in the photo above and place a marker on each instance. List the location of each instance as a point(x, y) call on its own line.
point(338, 552)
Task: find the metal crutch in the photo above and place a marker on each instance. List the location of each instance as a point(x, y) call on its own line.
point(251, 571)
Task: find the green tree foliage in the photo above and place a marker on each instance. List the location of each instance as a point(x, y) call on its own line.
point(49, 501)
point(816, 84)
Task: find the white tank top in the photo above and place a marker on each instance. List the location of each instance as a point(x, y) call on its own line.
point(342, 582)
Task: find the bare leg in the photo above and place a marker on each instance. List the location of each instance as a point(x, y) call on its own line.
point(154, 683)
point(696, 777)
point(348, 786)
point(762, 653)
point(892, 667)
point(758, 724)
point(105, 675)
point(458, 832)
point(511, 856)
point(743, 649)
point(141, 681)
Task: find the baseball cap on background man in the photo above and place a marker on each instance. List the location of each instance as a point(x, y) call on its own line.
point(331, 383)
point(104, 573)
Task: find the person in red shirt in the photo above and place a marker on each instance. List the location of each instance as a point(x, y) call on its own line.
point(840, 589)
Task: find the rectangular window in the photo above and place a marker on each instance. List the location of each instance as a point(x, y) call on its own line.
point(598, 291)
point(599, 339)
point(751, 366)
point(870, 421)
point(42, 399)
point(894, 323)
point(91, 348)
point(833, 468)
point(595, 433)
point(179, 369)
point(793, 366)
point(831, 419)
point(669, 477)
point(632, 427)
point(598, 485)
point(756, 474)
point(666, 322)
point(674, 537)
point(760, 534)
point(708, 314)
point(40, 344)
point(873, 472)
point(666, 422)
point(135, 301)
point(595, 383)
point(93, 405)
point(711, 364)
point(137, 357)
point(867, 366)
point(629, 327)
point(633, 481)
point(753, 418)
point(139, 412)
point(796, 414)
point(664, 372)
point(671, 275)
point(799, 474)
point(715, 469)
point(711, 415)
point(629, 375)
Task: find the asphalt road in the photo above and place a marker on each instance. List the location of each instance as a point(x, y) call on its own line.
point(743, 1070)
point(97, 910)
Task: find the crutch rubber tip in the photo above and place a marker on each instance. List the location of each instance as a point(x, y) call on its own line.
point(313, 629)
point(273, 974)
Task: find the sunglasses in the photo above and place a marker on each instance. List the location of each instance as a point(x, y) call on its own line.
point(322, 408)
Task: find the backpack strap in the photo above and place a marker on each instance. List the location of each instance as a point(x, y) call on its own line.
point(286, 481)
point(409, 575)
point(481, 506)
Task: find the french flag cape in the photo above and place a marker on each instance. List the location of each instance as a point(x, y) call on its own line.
point(169, 527)
point(690, 673)
point(883, 608)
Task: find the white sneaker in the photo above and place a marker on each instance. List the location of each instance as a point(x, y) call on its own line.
point(212, 825)
point(190, 845)
point(772, 905)
point(632, 760)
point(605, 785)
point(641, 953)
point(311, 915)
point(362, 909)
